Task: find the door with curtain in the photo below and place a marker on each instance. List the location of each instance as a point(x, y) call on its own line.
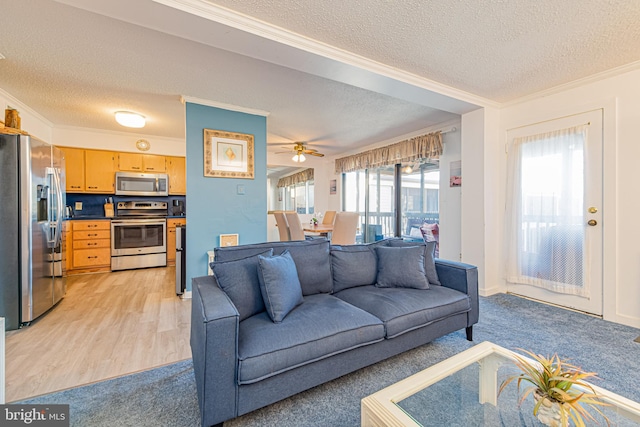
point(554, 212)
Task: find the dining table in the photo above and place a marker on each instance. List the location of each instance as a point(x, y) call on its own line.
point(322, 229)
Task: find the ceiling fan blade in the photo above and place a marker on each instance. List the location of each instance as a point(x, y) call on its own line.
point(316, 154)
point(309, 151)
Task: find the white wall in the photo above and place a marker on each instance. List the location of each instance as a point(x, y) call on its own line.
point(116, 141)
point(30, 120)
point(619, 97)
point(450, 197)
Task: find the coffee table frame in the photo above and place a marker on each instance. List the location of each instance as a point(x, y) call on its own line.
point(380, 409)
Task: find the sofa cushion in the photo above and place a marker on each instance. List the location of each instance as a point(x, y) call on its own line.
point(279, 285)
point(429, 261)
point(311, 258)
point(403, 309)
point(239, 280)
point(401, 267)
point(320, 327)
point(354, 265)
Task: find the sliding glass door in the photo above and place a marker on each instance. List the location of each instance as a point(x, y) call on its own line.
point(374, 194)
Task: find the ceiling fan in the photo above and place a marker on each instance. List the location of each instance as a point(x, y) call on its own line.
point(300, 150)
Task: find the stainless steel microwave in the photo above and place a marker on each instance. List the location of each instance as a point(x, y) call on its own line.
point(142, 184)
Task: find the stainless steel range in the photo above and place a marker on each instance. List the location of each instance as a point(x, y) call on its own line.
point(139, 235)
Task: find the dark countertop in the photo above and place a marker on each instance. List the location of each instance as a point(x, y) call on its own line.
point(97, 217)
point(87, 217)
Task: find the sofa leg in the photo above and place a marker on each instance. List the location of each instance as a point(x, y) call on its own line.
point(469, 331)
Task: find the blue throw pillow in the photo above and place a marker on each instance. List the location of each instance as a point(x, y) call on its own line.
point(429, 261)
point(239, 280)
point(354, 265)
point(279, 284)
point(401, 267)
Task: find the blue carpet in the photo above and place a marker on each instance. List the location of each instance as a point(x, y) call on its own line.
point(166, 396)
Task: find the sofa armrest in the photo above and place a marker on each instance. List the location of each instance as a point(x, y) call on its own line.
point(214, 348)
point(461, 277)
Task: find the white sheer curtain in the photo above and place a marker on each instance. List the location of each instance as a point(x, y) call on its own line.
point(546, 243)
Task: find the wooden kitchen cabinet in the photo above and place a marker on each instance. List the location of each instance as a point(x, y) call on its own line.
point(176, 168)
point(90, 246)
point(99, 171)
point(171, 238)
point(74, 169)
point(134, 162)
point(153, 163)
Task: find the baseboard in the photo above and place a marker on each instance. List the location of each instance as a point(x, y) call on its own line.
point(186, 295)
point(487, 292)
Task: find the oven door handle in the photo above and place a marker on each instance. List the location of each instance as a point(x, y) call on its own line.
point(139, 221)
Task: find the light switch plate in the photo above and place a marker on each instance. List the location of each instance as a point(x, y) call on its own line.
point(78, 206)
point(240, 189)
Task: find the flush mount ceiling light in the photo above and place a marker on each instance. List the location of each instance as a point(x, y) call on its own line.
point(129, 119)
point(299, 157)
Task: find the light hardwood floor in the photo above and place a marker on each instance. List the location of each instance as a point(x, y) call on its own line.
point(108, 324)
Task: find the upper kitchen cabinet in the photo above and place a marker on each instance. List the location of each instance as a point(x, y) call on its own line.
point(74, 169)
point(100, 169)
point(151, 163)
point(134, 162)
point(176, 168)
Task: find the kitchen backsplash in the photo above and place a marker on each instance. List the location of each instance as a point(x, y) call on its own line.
point(93, 204)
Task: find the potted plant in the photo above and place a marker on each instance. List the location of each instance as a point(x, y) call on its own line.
point(556, 401)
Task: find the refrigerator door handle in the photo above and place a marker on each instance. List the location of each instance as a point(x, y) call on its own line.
point(60, 205)
point(55, 224)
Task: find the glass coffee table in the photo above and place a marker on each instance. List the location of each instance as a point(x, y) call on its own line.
point(463, 391)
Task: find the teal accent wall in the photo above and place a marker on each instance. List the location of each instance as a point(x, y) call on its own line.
point(214, 206)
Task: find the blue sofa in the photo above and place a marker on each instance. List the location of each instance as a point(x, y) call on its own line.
point(350, 314)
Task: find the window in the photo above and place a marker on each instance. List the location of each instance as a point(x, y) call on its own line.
point(299, 197)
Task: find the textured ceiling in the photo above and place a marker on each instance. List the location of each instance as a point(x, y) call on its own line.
point(500, 50)
point(80, 67)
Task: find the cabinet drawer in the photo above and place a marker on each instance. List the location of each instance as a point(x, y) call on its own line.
point(96, 234)
point(91, 257)
point(91, 225)
point(91, 244)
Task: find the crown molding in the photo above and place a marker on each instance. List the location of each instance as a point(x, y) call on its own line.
point(593, 78)
point(209, 103)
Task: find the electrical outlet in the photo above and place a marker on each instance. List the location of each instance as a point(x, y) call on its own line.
point(78, 206)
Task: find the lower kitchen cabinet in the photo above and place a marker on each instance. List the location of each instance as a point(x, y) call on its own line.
point(90, 246)
point(171, 238)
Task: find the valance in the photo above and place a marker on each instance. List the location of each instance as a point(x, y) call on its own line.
point(296, 178)
point(427, 146)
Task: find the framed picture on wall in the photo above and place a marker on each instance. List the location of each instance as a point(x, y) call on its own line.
point(228, 154)
point(333, 186)
point(228, 240)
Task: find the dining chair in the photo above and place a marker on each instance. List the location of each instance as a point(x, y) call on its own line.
point(283, 226)
point(295, 226)
point(329, 217)
point(344, 228)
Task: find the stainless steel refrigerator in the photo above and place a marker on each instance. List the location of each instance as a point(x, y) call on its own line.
point(32, 202)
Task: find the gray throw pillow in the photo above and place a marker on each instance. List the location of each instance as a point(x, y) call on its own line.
point(429, 260)
point(354, 265)
point(279, 284)
point(401, 267)
point(239, 280)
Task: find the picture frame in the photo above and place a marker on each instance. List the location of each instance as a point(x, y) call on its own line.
point(228, 154)
point(333, 186)
point(228, 240)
